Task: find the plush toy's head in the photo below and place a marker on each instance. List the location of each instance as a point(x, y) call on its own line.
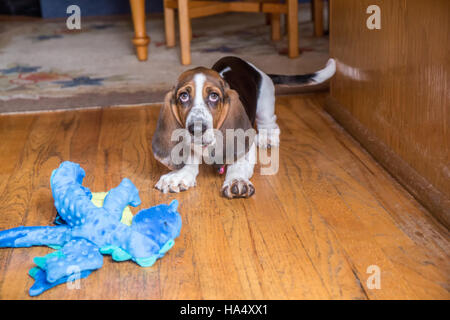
point(66, 173)
point(162, 223)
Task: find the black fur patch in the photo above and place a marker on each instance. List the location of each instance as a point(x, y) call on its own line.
point(243, 78)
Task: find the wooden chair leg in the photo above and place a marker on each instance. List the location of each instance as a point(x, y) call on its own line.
point(190, 29)
point(169, 25)
point(140, 40)
point(318, 18)
point(276, 26)
point(286, 24)
point(293, 28)
point(185, 41)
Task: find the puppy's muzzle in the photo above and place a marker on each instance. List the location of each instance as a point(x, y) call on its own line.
point(197, 127)
point(200, 133)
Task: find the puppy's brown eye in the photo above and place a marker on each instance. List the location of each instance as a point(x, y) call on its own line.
point(213, 97)
point(184, 97)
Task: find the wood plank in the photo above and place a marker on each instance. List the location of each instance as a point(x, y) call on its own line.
point(386, 244)
point(274, 8)
point(208, 10)
point(309, 232)
point(14, 138)
point(244, 6)
point(237, 6)
point(28, 198)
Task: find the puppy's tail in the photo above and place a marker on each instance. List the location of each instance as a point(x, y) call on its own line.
point(306, 79)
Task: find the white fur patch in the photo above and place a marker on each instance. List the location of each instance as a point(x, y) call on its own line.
point(242, 169)
point(268, 138)
point(326, 73)
point(178, 180)
point(266, 120)
point(199, 81)
point(200, 112)
point(224, 70)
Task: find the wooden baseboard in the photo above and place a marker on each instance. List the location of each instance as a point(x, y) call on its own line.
point(293, 89)
point(431, 198)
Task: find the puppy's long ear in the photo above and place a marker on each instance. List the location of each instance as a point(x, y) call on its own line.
point(168, 121)
point(234, 116)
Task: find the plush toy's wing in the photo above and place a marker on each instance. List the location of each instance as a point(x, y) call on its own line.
point(161, 223)
point(34, 236)
point(75, 257)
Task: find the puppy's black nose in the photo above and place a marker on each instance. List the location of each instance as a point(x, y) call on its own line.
point(192, 128)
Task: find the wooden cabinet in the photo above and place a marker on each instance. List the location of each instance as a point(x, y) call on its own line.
point(391, 90)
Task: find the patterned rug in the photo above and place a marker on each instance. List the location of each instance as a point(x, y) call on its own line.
point(44, 66)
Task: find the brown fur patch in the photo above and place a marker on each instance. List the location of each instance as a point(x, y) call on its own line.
point(167, 123)
point(213, 83)
point(229, 113)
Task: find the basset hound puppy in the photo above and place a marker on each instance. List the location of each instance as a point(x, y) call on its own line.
point(208, 104)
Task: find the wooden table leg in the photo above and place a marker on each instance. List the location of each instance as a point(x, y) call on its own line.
point(293, 28)
point(318, 18)
point(185, 33)
point(140, 40)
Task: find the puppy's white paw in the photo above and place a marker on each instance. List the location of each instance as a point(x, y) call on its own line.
point(176, 181)
point(238, 188)
point(268, 138)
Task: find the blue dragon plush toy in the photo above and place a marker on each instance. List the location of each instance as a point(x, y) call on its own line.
point(87, 231)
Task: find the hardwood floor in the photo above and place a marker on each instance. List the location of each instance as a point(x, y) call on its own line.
point(310, 232)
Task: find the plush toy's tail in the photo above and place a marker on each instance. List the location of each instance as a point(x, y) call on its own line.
point(41, 284)
point(34, 236)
